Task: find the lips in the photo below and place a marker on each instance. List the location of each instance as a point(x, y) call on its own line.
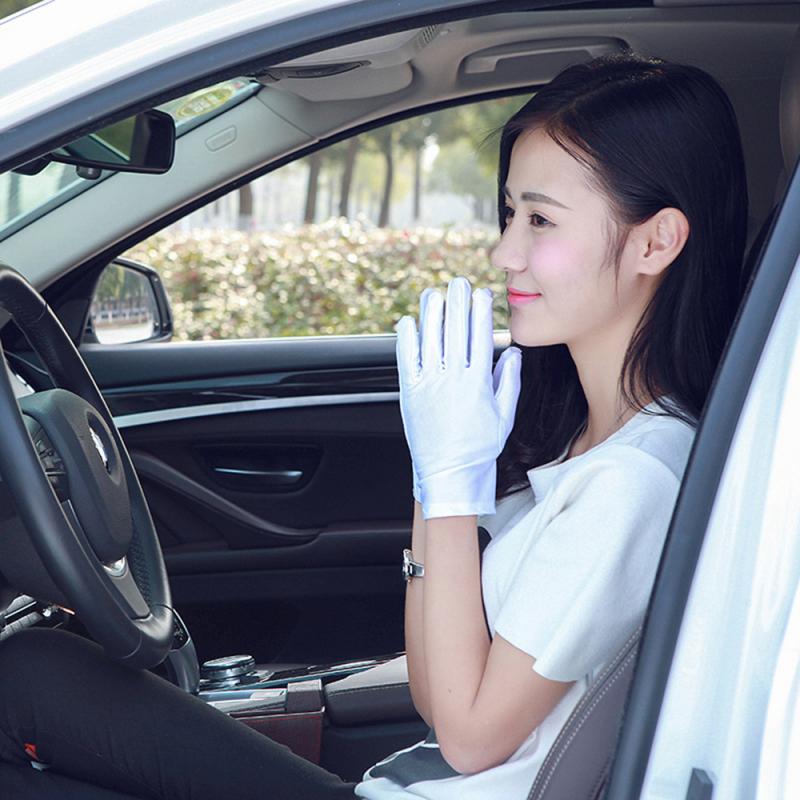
point(521, 298)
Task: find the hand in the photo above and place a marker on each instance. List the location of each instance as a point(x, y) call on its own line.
point(456, 414)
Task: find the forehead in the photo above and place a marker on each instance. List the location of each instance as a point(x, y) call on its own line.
point(539, 164)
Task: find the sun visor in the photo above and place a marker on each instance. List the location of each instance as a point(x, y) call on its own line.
point(382, 63)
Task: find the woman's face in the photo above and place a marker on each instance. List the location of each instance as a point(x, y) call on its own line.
point(555, 244)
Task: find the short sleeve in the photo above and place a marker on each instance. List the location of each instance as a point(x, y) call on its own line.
point(506, 509)
point(582, 585)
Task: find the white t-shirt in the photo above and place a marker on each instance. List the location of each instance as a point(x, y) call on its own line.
point(566, 578)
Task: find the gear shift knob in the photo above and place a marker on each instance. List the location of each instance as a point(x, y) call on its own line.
point(227, 671)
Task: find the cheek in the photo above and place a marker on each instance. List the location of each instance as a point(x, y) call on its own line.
point(560, 264)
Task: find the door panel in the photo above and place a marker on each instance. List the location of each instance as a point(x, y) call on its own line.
point(303, 568)
point(361, 471)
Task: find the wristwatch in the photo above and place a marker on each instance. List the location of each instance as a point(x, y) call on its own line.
point(411, 568)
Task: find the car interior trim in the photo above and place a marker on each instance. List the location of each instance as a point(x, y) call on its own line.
point(155, 469)
point(246, 406)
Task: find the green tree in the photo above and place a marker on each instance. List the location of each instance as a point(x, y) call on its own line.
point(314, 162)
point(459, 170)
point(468, 139)
point(413, 135)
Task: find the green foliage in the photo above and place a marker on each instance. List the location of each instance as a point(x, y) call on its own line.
point(469, 137)
point(466, 137)
point(458, 170)
point(339, 277)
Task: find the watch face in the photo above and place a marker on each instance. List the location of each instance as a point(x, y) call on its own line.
point(408, 571)
point(411, 569)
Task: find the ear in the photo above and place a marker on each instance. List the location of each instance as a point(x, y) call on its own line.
point(661, 239)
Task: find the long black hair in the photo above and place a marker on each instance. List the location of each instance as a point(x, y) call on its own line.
point(651, 135)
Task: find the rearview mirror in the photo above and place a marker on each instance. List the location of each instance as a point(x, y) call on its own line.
point(142, 143)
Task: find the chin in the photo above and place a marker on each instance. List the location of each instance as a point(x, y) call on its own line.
point(526, 336)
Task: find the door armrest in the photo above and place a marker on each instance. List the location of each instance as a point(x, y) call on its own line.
point(379, 694)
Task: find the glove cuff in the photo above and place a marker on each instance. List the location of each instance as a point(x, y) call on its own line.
point(460, 493)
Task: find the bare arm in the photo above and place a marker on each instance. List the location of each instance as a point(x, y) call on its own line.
point(483, 695)
point(415, 654)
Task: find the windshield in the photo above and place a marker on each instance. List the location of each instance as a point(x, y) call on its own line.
point(24, 198)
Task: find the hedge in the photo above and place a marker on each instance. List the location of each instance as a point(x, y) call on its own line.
point(338, 277)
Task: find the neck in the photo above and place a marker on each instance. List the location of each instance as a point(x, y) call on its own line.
point(599, 365)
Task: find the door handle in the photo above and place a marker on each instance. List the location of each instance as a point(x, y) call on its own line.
point(275, 477)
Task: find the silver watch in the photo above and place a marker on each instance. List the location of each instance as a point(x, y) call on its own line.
point(411, 568)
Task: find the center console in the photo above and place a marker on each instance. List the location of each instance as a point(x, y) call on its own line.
point(293, 705)
point(240, 672)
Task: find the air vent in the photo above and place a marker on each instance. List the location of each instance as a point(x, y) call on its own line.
point(427, 35)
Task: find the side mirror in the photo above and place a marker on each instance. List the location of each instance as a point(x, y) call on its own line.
point(142, 143)
point(129, 305)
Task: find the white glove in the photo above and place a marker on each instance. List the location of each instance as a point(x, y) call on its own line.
point(423, 302)
point(456, 414)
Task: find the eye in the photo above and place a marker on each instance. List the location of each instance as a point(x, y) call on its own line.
point(538, 221)
point(508, 212)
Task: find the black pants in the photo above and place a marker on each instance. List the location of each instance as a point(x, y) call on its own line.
point(114, 733)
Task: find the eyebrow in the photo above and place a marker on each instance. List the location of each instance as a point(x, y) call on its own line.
point(536, 197)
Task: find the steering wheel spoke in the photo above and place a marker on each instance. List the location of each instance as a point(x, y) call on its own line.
point(123, 581)
point(49, 458)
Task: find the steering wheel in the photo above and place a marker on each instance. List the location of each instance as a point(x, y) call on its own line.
point(78, 497)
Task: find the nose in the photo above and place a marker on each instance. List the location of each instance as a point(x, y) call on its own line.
point(509, 254)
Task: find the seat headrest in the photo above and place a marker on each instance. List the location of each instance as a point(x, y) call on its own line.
point(790, 106)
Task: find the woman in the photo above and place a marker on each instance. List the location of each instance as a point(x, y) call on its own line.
point(623, 208)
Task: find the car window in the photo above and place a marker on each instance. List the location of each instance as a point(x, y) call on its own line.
point(24, 198)
point(342, 241)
